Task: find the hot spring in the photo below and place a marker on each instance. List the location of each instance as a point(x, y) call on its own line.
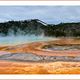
point(21, 39)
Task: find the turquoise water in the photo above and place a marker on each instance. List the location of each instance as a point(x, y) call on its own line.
point(12, 40)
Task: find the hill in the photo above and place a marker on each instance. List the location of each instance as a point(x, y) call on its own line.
point(37, 27)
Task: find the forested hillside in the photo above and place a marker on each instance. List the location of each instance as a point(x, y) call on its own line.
point(37, 27)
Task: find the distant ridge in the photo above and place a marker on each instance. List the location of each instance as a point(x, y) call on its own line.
point(37, 27)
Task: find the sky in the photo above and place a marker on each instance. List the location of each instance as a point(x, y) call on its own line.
point(48, 14)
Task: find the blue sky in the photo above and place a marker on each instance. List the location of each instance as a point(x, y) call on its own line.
point(49, 14)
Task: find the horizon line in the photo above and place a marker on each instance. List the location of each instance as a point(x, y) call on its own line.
point(40, 20)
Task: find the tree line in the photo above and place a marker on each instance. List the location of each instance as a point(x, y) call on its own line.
point(36, 27)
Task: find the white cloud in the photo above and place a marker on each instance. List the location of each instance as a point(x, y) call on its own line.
point(50, 14)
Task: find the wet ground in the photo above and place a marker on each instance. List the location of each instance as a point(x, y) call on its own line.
point(63, 58)
point(30, 57)
point(62, 47)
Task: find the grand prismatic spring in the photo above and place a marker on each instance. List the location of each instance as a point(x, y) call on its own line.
point(39, 55)
point(39, 39)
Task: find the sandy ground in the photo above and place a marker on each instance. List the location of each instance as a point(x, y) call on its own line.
point(60, 67)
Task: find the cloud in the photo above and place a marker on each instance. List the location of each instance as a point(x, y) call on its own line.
point(49, 14)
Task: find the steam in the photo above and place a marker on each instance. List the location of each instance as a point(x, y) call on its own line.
point(20, 37)
point(16, 33)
